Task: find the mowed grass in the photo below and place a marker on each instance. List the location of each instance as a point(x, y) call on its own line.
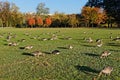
point(83, 62)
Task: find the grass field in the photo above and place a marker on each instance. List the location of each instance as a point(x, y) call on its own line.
point(83, 62)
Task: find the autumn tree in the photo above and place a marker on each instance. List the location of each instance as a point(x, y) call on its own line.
point(59, 20)
point(112, 8)
point(38, 21)
point(93, 15)
point(72, 21)
point(31, 22)
point(48, 21)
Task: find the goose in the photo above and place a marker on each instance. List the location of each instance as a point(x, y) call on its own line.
point(99, 44)
point(37, 53)
point(70, 47)
point(28, 47)
point(89, 40)
point(8, 37)
point(107, 70)
point(55, 37)
point(98, 40)
point(69, 38)
point(44, 39)
point(55, 52)
point(110, 37)
point(12, 44)
point(22, 40)
point(84, 32)
point(105, 54)
point(116, 39)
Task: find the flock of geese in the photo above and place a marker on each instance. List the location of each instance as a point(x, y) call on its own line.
point(106, 70)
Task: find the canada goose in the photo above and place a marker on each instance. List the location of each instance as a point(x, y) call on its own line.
point(37, 53)
point(12, 44)
point(28, 47)
point(44, 39)
point(116, 39)
point(110, 37)
point(54, 37)
point(56, 52)
point(26, 33)
point(99, 44)
point(89, 40)
point(70, 47)
point(51, 39)
point(106, 70)
point(15, 44)
point(105, 54)
point(34, 37)
point(68, 38)
point(84, 32)
point(98, 40)
point(8, 37)
point(22, 40)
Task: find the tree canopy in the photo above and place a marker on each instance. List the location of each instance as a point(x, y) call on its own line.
point(112, 7)
point(96, 13)
point(41, 9)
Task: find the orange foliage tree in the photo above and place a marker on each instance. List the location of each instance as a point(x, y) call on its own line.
point(48, 21)
point(31, 22)
point(39, 21)
point(93, 15)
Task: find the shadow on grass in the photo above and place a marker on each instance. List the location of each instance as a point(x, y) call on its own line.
point(62, 47)
point(22, 47)
point(115, 50)
point(46, 52)
point(63, 38)
point(86, 69)
point(91, 54)
point(27, 54)
point(113, 44)
point(5, 44)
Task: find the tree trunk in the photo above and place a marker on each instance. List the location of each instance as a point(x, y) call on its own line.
point(111, 24)
point(118, 25)
point(108, 25)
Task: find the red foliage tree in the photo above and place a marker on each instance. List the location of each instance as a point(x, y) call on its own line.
point(48, 21)
point(31, 22)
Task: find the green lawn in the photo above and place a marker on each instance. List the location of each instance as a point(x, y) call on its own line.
point(83, 62)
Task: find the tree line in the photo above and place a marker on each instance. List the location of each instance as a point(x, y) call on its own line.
point(10, 16)
point(112, 8)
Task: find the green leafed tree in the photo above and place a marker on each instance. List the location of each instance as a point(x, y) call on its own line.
point(5, 13)
point(14, 8)
point(41, 9)
point(73, 21)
